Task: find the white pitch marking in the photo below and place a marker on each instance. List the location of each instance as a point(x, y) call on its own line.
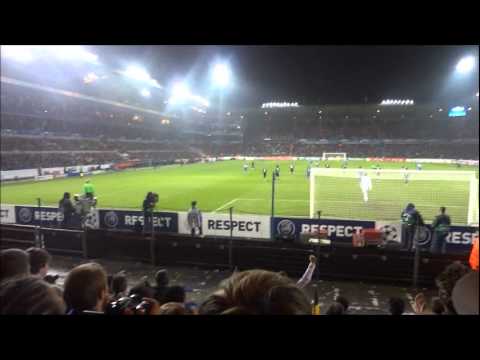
point(225, 205)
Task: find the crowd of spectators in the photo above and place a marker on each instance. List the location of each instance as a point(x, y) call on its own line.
point(35, 123)
point(26, 288)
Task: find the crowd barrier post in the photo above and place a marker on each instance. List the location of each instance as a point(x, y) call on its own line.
point(230, 244)
point(38, 229)
point(416, 261)
point(272, 213)
point(84, 243)
point(152, 242)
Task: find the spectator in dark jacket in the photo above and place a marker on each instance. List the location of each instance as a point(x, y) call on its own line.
point(13, 263)
point(441, 228)
point(396, 306)
point(86, 289)
point(29, 296)
point(39, 261)
point(67, 209)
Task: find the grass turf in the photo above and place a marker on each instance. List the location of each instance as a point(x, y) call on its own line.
point(217, 186)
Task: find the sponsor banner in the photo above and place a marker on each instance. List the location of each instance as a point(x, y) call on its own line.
point(459, 239)
point(391, 230)
point(7, 214)
point(431, 161)
point(18, 174)
point(386, 159)
point(340, 231)
point(126, 219)
point(244, 226)
point(51, 217)
point(44, 177)
point(278, 158)
point(55, 171)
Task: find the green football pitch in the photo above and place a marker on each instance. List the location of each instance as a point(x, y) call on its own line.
point(220, 185)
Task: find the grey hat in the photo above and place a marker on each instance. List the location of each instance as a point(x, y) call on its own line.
point(465, 294)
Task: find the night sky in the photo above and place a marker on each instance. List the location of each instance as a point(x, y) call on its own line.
point(310, 74)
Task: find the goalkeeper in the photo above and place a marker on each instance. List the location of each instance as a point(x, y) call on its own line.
point(366, 186)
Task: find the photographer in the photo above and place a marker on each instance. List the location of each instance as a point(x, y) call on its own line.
point(83, 206)
point(411, 219)
point(65, 207)
point(148, 207)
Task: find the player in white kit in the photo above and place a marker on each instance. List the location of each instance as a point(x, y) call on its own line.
point(365, 185)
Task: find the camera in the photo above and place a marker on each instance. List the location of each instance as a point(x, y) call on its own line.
point(51, 279)
point(128, 305)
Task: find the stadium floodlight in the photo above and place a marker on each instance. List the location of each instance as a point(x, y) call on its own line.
point(181, 91)
point(465, 65)
point(137, 73)
point(18, 53)
point(145, 93)
point(221, 75)
point(71, 52)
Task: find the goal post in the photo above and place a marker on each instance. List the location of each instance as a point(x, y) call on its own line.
point(334, 156)
point(338, 194)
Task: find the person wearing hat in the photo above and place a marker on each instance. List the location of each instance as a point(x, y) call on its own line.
point(411, 219)
point(465, 294)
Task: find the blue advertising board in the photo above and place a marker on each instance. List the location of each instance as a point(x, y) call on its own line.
point(126, 219)
point(339, 231)
point(45, 216)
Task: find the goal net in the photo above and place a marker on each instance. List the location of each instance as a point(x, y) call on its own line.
point(334, 156)
point(341, 194)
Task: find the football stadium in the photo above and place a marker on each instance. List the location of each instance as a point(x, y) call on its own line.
point(227, 166)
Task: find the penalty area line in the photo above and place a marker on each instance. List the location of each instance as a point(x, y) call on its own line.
point(226, 204)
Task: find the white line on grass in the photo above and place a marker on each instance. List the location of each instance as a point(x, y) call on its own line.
point(346, 201)
point(225, 205)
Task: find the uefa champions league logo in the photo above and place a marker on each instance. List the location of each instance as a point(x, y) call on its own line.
point(391, 233)
point(25, 215)
point(286, 228)
point(111, 219)
point(424, 236)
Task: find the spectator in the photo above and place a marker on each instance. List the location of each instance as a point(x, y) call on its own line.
point(173, 308)
point(194, 218)
point(257, 292)
point(39, 260)
point(396, 306)
point(344, 301)
point(161, 281)
point(307, 276)
point(29, 295)
point(438, 308)
point(465, 295)
point(86, 288)
point(446, 282)
point(335, 309)
point(441, 228)
point(13, 263)
point(119, 285)
point(142, 289)
point(174, 294)
point(67, 209)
